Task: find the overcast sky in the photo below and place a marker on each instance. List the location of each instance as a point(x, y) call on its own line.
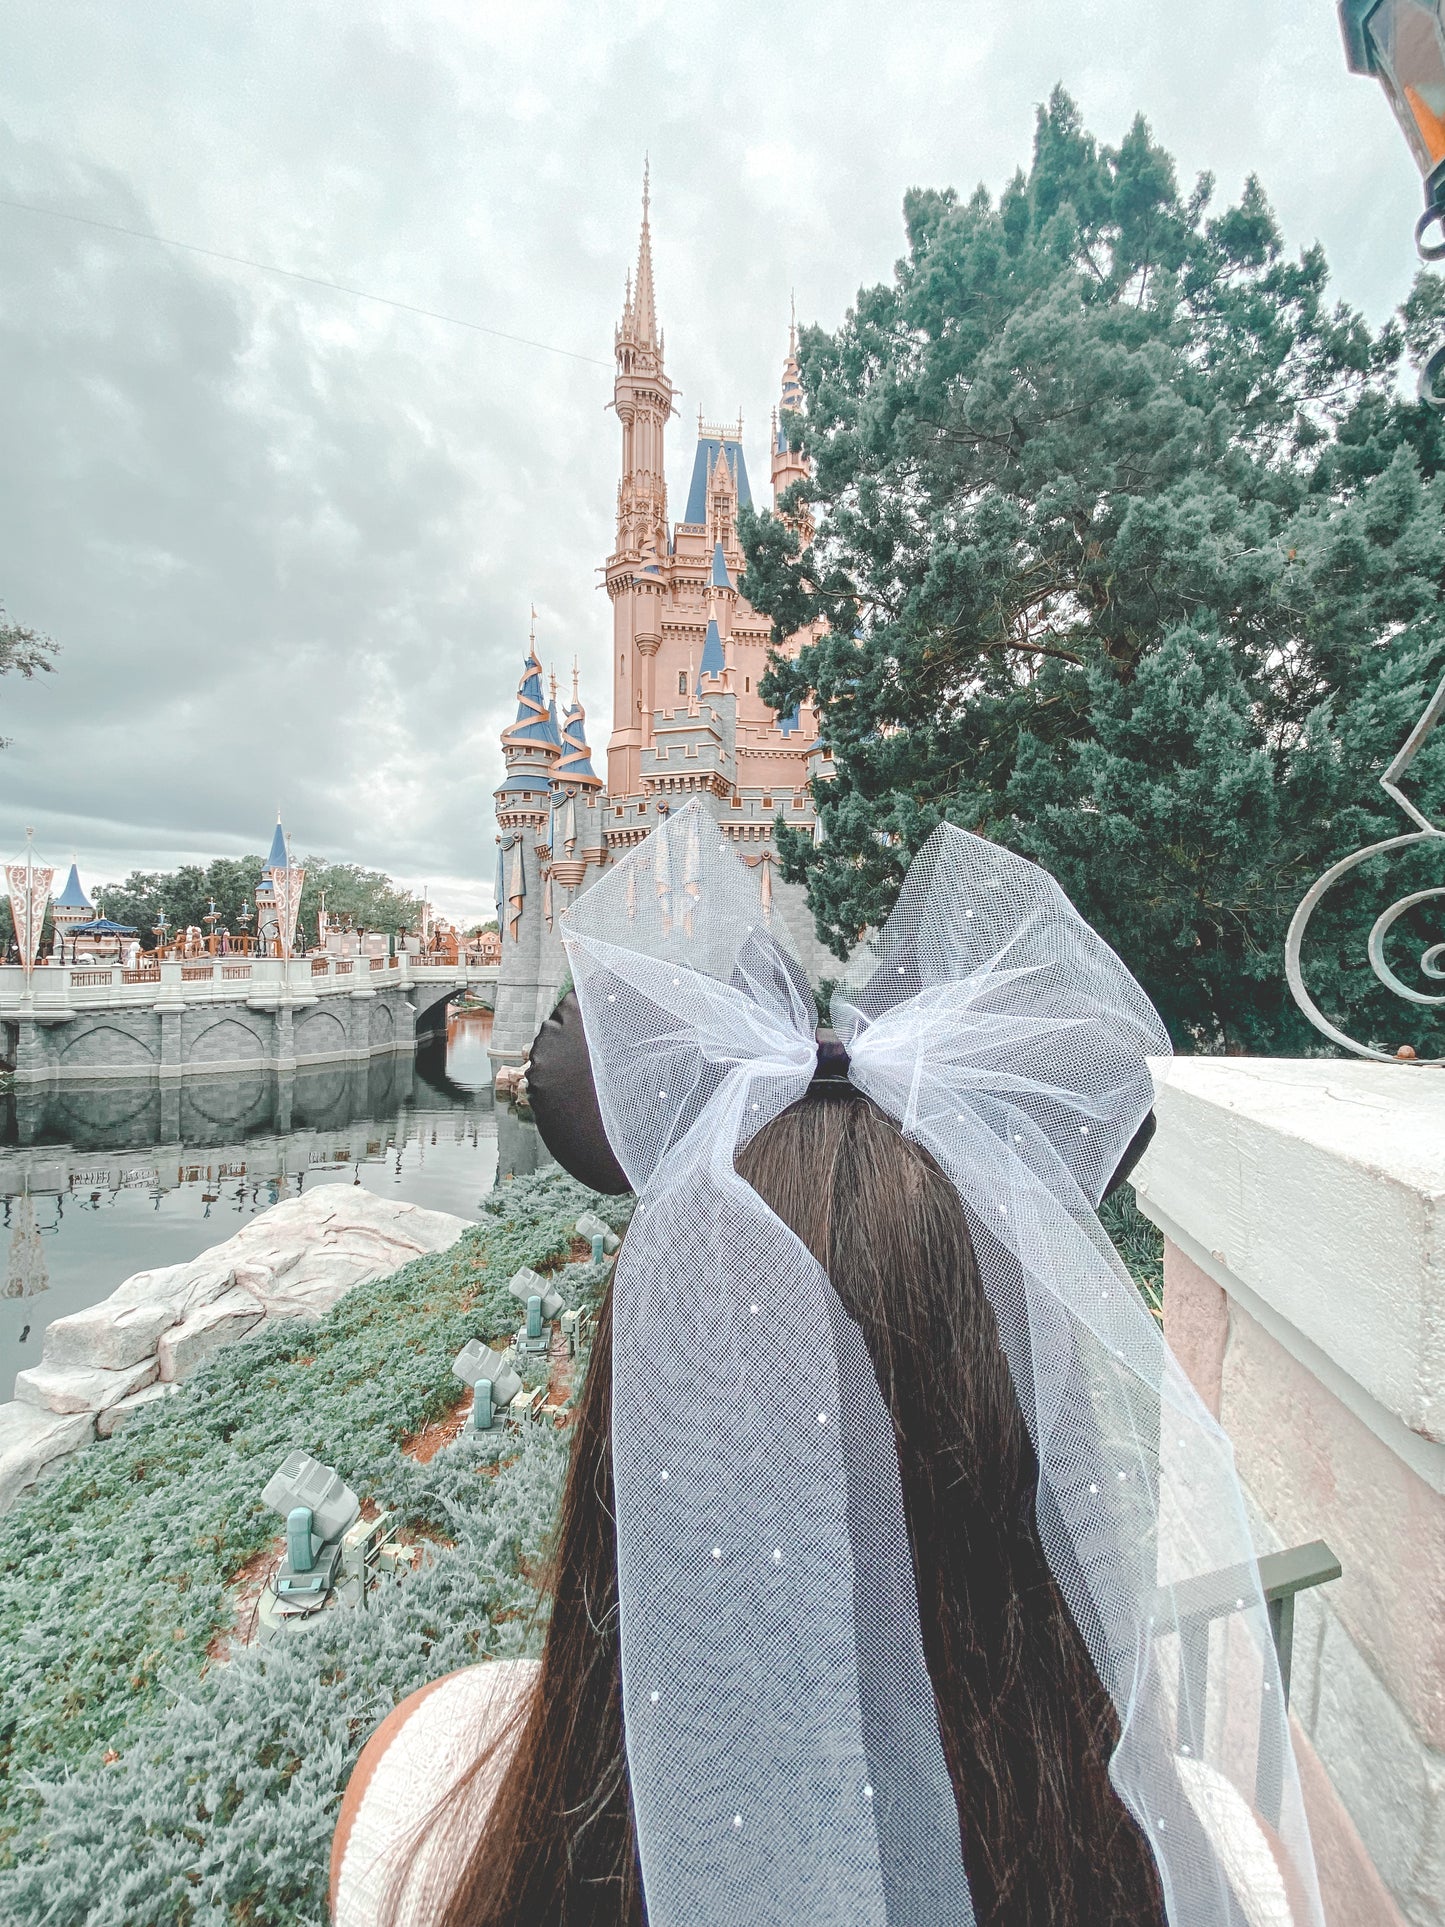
point(288, 538)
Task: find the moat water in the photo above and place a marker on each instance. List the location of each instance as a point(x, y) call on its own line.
point(99, 1181)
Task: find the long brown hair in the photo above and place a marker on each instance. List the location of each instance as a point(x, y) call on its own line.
point(1027, 1728)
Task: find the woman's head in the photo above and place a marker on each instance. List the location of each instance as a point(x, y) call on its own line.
point(1027, 1729)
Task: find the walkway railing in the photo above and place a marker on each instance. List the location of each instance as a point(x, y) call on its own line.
point(58, 990)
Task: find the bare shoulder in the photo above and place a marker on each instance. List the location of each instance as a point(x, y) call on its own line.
point(408, 1766)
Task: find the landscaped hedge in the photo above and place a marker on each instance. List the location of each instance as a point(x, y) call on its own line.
point(142, 1782)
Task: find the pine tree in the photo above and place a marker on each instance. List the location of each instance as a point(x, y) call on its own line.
point(1132, 552)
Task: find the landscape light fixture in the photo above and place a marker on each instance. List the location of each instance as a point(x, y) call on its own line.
point(494, 1381)
point(542, 1301)
point(318, 1506)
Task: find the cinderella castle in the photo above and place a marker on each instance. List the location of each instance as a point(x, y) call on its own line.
point(688, 654)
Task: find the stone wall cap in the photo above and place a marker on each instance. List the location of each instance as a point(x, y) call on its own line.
point(1385, 1118)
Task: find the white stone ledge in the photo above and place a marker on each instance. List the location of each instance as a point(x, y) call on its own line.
point(1314, 1191)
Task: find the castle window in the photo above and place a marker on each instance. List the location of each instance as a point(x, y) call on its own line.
point(747, 685)
point(737, 802)
point(767, 802)
point(619, 809)
point(682, 682)
point(800, 802)
point(827, 755)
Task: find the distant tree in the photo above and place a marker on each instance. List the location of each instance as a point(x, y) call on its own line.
point(1131, 551)
point(184, 896)
point(24, 651)
point(368, 899)
point(365, 898)
point(483, 929)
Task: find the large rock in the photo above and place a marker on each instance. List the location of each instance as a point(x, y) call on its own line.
point(102, 1365)
point(184, 1346)
point(299, 1257)
point(80, 1388)
point(29, 1439)
point(109, 1335)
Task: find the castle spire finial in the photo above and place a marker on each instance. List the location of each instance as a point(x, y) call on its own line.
point(792, 323)
point(532, 632)
point(644, 302)
point(575, 697)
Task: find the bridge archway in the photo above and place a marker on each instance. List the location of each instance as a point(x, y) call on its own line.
point(434, 1003)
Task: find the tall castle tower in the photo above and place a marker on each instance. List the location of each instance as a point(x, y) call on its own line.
point(688, 654)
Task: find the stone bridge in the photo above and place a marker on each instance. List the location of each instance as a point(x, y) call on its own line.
point(216, 1015)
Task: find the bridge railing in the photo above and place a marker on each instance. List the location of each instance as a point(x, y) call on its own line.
point(58, 990)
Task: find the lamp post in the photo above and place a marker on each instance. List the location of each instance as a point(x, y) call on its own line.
point(1402, 44)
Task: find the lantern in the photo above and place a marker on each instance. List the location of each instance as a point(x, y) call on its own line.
point(1402, 43)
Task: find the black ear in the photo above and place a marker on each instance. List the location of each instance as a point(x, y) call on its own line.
point(563, 1097)
point(1138, 1145)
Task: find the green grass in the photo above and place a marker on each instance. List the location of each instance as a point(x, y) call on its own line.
point(1139, 1243)
point(117, 1573)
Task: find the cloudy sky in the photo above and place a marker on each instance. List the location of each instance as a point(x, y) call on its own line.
point(288, 537)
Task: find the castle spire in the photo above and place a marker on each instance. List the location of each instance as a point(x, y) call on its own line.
point(642, 396)
point(789, 465)
point(644, 303)
point(536, 726)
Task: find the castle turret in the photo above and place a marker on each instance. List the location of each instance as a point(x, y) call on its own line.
point(71, 907)
point(578, 835)
point(790, 465)
point(532, 748)
point(636, 570)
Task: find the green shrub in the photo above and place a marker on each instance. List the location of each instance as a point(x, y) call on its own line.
point(117, 1575)
point(1139, 1243)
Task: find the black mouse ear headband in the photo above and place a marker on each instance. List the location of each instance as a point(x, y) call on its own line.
point(563, 1096)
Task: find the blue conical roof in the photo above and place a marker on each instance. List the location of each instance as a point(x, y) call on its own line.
point(709, 448)
point(720, 577)
point(713, 659)
point(72, 897)
point(536, 720)
point(576, 764)
point(278, 859)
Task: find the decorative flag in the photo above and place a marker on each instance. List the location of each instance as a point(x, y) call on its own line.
point(662, 876)
point(25, 1273)
point(517, 893)
point(692, 875)
point(28, 885)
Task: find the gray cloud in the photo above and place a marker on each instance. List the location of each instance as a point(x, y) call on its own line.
point(288, 539)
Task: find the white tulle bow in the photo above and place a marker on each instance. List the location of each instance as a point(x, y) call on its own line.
point(782, 1738)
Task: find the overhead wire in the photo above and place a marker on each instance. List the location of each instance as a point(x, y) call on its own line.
point(293, 274)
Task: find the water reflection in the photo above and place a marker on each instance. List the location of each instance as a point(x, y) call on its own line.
point(99, 1181)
